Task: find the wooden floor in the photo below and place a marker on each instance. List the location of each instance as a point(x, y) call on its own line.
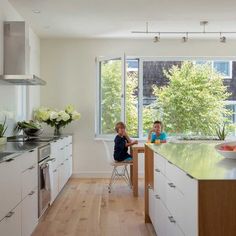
point(85, 208)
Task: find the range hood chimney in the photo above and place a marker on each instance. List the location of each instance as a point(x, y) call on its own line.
point(16, 67)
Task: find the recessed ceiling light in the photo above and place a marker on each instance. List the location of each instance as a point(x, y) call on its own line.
point(36, 11)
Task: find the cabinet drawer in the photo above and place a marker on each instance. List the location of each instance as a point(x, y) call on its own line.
point(29, 180)
point(183, 182)
point(28, 159)
point(151, 206)
point(29, 216)
point(166, 224)
point(55, 187)
point(182, 199)
point(11, 224)
point(160, 184)
point(10, 185)
point(159, 163)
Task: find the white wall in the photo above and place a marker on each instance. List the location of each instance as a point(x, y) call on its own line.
point(12, 97)
point(69, 68)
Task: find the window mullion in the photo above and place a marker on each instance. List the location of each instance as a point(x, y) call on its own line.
point(140, 99)
point(123, 90)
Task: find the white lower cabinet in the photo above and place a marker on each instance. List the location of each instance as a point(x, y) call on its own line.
point(163, 222)
point(29, 213)
point(11, 224)
point(175, 200)
point(55, 186)
point(10, 185)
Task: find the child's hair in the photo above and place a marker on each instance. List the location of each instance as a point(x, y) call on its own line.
point(119, 125)
point(158, 122)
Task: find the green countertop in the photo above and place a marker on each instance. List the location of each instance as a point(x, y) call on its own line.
point(201, 161)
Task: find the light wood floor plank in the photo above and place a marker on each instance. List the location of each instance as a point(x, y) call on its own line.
point(85, 208)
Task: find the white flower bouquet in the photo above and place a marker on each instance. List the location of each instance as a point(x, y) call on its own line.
point(56, 118)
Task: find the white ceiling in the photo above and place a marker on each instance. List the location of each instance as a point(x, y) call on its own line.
point(117, 18)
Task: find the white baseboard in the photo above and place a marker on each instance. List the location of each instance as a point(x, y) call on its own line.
point(98, 174)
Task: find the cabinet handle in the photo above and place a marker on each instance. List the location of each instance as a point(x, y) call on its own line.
point(67, 159)
point(31, 168)
point(71, 143)
point(171, 185)
point(171, 219)
point(31, 193)
point(55, 171)
point(190, 176)
point(157, 197)
point(10, 214)
point(67, 145)
point(62, 164)
point(157, 170)
point(31, 151)
point(61, 148)
point(9, 160)
point(170, 162)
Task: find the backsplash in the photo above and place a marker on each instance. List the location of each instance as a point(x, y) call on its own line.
point(12, 106)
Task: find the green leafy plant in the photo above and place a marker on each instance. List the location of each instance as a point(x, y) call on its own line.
point(3, 128)
point(223, 130)
point(27, 125)
point(193, 101)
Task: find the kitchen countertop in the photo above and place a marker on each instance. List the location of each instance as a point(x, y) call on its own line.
point(18, 148)
point(201, 161)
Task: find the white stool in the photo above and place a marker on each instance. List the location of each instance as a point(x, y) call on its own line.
point(120, 170)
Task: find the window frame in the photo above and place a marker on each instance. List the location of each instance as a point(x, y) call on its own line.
point(98, 135)
point(230, 68)
point(98, 60)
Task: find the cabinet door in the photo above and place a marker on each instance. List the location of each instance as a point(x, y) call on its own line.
point(28, 159)
point(10, 185)
point(11, 224)
point(61, 176)
point(160, 182)
point(70, 166)
point(29, 180)
point(55, 187)
point(29, 216)
point(166, 223)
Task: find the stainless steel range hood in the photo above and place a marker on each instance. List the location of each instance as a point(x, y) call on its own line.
point(17, 55)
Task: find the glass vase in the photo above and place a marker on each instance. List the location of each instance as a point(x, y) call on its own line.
point(57, 131)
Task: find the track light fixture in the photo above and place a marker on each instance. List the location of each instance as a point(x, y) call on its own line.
point(222, 38)
point(185, 38)
point(156, 39)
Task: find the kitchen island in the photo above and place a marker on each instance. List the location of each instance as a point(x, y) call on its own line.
point(190, 190)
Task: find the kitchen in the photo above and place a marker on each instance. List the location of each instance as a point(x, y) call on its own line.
point(68, 44)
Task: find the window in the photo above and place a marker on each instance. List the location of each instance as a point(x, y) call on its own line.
point(126, 91)
point(110, 94)
point(224, 68)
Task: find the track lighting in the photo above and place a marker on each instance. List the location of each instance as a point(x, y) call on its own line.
point(222, 39)
point(185, 38)
point(157, 39)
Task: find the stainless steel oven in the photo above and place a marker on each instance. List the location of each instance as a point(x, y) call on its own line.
point(43, 178)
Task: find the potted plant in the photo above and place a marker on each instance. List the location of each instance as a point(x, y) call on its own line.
point(3, 129)
point(57, 119)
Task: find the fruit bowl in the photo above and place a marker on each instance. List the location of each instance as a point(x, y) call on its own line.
point(228, 150)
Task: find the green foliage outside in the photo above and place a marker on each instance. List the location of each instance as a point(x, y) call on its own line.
point(193, 101)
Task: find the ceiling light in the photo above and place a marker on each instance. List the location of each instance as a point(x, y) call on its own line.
point(36, 11)
point(157, 39)
point(185, 38)
point(222, 39)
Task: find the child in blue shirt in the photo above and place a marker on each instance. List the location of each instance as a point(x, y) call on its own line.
point(157, 133)
point(122, 142)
